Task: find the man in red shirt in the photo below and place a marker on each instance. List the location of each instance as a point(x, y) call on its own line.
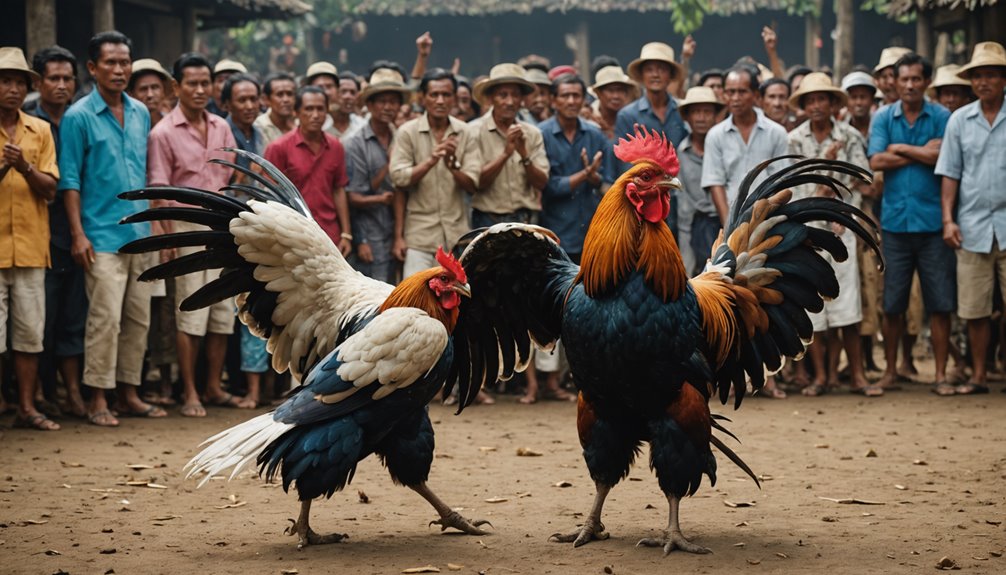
point(316, 163)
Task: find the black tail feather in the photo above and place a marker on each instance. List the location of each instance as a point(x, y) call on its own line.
point(214, 220)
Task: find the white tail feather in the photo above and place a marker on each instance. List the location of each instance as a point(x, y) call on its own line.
point(237, 447)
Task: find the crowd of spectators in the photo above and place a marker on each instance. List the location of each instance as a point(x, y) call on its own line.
point(393, 165)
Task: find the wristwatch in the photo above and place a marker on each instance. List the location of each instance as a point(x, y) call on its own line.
point(525, 161)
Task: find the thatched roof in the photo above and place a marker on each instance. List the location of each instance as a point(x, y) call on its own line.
point(904, 7)
point(230, 12)
point(488, 7)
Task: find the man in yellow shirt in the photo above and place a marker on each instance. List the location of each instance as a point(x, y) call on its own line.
point(28, 175)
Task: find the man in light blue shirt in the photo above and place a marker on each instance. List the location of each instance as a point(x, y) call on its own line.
point(972, 163)
point(103, 152)
point(905, 142)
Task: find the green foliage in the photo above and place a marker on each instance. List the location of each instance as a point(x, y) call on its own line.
point(883, 7)
point(687, 15)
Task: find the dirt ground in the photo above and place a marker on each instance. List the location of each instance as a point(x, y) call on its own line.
point(934, 466)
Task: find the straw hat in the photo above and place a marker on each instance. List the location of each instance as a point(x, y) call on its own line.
point(319, 68)
point(654, 51)
point(224, 65)
point(854, 79)
point(505, 73)
point(816, 82)
point(149, 65)
point(985, 54)
point(536, 76)
point(700, 95)
point(613, 75)
point(384, 80)
point(888, 56)
point(13, 59)
point(947, 76)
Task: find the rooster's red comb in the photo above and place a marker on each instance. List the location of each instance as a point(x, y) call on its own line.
point(449, 263)
point(652, 146)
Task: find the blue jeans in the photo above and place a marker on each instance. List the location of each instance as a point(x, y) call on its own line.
point(906, 253)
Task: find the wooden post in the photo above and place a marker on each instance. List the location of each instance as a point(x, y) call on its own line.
point(924, 34)
point(40, 21)
point(188, 28)
point(845, 26)
point(583, 49)
point(104, 16)
point(812, 31)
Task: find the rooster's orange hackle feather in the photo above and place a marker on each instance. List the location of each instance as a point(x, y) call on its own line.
point(414, 291)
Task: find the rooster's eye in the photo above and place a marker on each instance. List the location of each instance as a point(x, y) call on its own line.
point(443, 277)
point(646, 177)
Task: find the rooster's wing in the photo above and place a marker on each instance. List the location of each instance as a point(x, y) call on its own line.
point(760, 283)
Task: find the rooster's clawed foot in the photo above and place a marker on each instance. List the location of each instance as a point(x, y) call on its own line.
point(306, 536)
point(674, 540)
point(591, 530)
point(455, 520)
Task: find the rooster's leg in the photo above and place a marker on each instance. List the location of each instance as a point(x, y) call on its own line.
point(305, 535)
point(449, 517)
point(674, 539)
point(592, 527)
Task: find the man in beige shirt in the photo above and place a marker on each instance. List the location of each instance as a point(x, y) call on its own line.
point(515, 165)
point(278, 92)
point(434, 162)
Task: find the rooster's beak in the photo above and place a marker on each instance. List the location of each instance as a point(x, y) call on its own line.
point(670, 182)
point(462, 289)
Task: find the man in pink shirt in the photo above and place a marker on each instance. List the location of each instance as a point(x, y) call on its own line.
point(316, 163)
point(178, 151)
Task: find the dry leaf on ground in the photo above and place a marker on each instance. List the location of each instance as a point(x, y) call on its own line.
point(528, 452)
point(739, 503)
point(424, 569)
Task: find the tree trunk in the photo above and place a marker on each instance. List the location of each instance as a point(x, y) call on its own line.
point(104, 16)
point(189, 25)
point(40, 21)
point(812, 31)
point(924, 34)
point(582, 53)
point(845, 28)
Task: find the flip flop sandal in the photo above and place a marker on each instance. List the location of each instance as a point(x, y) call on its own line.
point(38, 421)
point(101, 418)
point(944, 389)
point(971, 389)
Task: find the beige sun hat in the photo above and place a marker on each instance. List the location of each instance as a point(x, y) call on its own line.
point(13, 59)
point(385, 80)
point(536, 76)
point(227, 65)
point(888, 56)
point(319, 68)
point(816, 82)
point(857, 79)
point(654, 51)
point(614, 75)
point(149, 65)
point(700, 95)
point(947, 76)
point(985, 54)
point(505, 73)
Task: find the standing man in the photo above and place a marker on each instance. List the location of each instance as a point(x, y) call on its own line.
point(822, 137)
point(577, 152)
point(905, 143)
point(972, 163)
point(179, 150)
point(861, 90)
point(316, 163)
point(28, 175)
point(434, 165)
point(613, 89)
point(103, 152)
point(371, 193)
point(884, 72)
point(65, 299)
point(950, 90)
point(278, 93)
point(698, 221)
point(146, 84)
point(536, 104)
point(741, 142)
point(345, 120)
point(224, 69)
point(241, 96)
point(515, 167)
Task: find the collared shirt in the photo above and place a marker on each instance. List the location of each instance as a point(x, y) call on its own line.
point(177, 156)
point(100, 158)
point(911, 200)
point(365, 158)
point(59, 226)
point(974, 153)
point(728, 159)
point(693, 198)
point(24, 216)
point(641, 112)
point(270, 131)
point(317, 176)
point(435, 212)
point(510, 191)
point(255, 144)
point(565, 210)
point(356, 123)
point(802, 142)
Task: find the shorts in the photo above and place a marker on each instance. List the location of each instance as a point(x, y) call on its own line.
point(22, 299)
point(847, 308)
point(927, 254)
point(217, 318)
point(549, 361)
point(976, 278)
point(417, 261)
point(254, 357)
